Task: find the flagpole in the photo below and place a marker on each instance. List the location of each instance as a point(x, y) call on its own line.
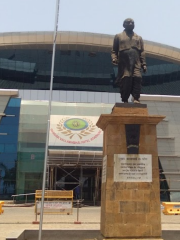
point(49, 115)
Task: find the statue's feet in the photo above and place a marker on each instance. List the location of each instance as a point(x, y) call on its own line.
point(136, 101)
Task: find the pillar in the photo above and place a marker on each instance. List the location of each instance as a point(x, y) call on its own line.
point(130, 193)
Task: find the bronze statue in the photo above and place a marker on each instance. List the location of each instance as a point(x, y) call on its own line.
point(128, 53)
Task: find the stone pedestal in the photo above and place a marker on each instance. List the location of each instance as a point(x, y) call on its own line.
point(130, 208)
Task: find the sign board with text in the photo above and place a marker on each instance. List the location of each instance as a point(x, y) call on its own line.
point(55, 207)
point(132, 168)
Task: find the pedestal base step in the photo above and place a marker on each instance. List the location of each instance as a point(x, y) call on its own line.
point(131, 239)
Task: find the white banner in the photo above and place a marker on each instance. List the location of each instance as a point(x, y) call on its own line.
point(132, 168)
point(56, 205)
point(75, 131)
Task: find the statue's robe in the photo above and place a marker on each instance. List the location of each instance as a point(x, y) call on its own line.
point(128, 51)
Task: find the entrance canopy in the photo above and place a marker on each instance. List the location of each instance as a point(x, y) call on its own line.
point(72, 158)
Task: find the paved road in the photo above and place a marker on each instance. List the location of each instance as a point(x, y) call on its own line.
point(20, 218)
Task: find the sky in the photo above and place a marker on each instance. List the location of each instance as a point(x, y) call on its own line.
point(155, 20)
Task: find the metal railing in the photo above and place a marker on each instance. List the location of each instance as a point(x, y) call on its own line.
point(25, 194)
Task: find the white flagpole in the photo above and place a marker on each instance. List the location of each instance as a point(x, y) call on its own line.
point(49, 115)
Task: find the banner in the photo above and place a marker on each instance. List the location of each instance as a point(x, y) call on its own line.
point(56, 205)
point(75, 131)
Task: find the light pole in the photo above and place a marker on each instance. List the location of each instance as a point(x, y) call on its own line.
point(49, 115)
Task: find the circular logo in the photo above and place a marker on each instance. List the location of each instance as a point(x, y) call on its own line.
point(76, 124)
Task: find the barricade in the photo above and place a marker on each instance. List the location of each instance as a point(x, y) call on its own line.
point(1, 204)
point(55, 202)
point(171, 208)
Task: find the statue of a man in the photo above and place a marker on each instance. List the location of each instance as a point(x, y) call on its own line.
point(128, 53)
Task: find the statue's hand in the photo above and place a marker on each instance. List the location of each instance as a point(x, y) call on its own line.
point(115, 61)
point(144, 69)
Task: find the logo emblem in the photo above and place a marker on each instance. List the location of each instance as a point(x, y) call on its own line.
point(76, 126)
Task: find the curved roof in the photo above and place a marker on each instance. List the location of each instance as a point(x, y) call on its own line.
point(82, 40)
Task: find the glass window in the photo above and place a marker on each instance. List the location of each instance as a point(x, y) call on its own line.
point(79, 70)
point(8, 147)
point(11, 148)
point(1, 148)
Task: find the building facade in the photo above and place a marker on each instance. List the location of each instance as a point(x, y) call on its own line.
point(83, 87)
point(9, 127)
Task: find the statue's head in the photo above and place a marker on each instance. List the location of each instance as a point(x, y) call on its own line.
point(128, 24)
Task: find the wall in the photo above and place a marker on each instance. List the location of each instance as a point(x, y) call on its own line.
point(33, 124)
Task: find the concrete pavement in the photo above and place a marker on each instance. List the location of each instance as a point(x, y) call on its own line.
point(21, 218)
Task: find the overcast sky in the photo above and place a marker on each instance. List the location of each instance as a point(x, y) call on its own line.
point(155, 20)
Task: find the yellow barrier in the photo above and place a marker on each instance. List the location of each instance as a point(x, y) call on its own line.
point(1, 204)
point(171, 208)
point(55, 201)
point(54, 194)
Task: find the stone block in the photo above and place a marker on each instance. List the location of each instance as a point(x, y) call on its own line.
point(110, 160)
point(119, 195)
point(127, 195)
point(146, 195)
point(127, 206)
point(150, 140)
point(155, 163)
point(131, 185)
point(109, 183)
point(133, 111)
point(153, 219)
point(103, 191)
point(143, 230)
point(103, 216)
point(155, 183)
point(118, 218)
point(110, 172)
point(147, 129)
point(153, 196)
point(127, 230)
point(114, 134)
point(143, 185)
point(155, 173)
point(109, 208)
point(134, 218)
point(108, 231)
point(132, 238)
point(137, 195)
point(116, 149)
point(110, 195)
point(109, 219)
point(142, 207)
point(116, 207)
point(154, 207)
point(103, 205)
point(119, 186)
point(147, 149)
point(156, 229)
